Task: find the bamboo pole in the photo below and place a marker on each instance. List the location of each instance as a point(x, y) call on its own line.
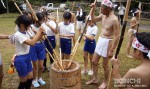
point(17, 7)
point(140, 10)
point(120, 41)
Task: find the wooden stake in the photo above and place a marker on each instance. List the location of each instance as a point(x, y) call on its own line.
point(120, 41)
point(57, 14)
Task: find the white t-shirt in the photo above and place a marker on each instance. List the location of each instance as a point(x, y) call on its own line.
point(48, 31)
point(30, 31)
point(66, 29)
point(92, 30)
point(36, 29)
point(20, 47)
point(121, 10)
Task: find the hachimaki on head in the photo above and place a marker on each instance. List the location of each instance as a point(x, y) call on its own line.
point(23, 19)
point(144, 39)
point(67, 15)
point(135, 11)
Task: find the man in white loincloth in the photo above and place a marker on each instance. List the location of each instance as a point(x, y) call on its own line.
point(107, 42)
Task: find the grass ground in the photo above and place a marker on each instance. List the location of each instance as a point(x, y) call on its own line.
point(10, 81)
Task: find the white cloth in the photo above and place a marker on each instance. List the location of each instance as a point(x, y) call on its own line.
point(102, 46)
point(136, 44)
point(107, 3)
point(92, 30)
point(48, 31)
point(79, 13)
point(66, 29)
point(80, 25)
point(20, 47)
point(121, 10)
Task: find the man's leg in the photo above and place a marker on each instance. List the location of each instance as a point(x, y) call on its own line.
point(106, 73)
point(95, 61)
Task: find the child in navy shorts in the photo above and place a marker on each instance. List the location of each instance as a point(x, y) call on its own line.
point(50, 29)
point(22, 44)
point(89, 45)
point(37, 53)
point(66, 33)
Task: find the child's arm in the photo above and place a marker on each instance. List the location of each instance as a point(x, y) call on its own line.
point(36, 37)
point(4, 36)
point(52, 27)
point(90, 37)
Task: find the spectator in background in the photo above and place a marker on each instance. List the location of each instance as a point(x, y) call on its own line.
point(80, 16)
point(121, 9)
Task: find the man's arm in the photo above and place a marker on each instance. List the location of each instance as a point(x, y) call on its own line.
point(116, 27)
point(134, 22)
point(95, 18)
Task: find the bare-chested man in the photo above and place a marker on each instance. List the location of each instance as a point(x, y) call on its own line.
point(138, 77)
point(1, 66)
point(107, 42)
point(133, 29)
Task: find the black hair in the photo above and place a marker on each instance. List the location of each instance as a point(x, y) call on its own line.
point(23, 19)
point(40, 16)
point(144, 38)
point(67, 15)
point(27, 13)
point(133, 11)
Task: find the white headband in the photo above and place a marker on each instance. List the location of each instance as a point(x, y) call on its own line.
point(107, 3)
point(136, 44)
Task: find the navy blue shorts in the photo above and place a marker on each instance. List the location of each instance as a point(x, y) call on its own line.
point(37, 52)
point(65, 45)
point(40, 51)
point(89, 46)
point(52, 41)
point(23, 64)
point(32, 53)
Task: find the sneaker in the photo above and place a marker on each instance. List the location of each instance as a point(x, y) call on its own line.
point(35, 83)
point(90, 72)
point(40, 80)
point(84, 72)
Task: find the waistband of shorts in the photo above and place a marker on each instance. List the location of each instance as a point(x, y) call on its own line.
point(106, 38)
point(24, 55)
point(65, 38)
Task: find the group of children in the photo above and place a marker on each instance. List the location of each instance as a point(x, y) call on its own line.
point(30, 37)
